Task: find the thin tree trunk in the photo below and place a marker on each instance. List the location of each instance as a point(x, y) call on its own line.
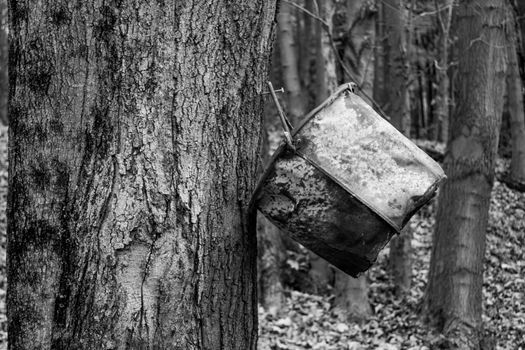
point(396, 65)
point(4, 80)
point(308, 51)
point(442, 102)
point(289, 63)
point(321, 272)
point(133, 155)
point(453, 299)
point(379, 58)
point(326, 70)
point(516, 106)
point(271, 257)
point(351, 294)
point(397, 107)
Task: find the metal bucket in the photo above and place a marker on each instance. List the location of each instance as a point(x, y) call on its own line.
point(347, 183)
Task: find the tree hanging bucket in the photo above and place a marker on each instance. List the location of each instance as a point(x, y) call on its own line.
point(345, 182)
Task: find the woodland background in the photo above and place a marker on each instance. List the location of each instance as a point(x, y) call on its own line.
point(404, 56)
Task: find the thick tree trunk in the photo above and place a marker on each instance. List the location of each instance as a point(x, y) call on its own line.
point(397, 108)
point(351, 294)
point(133, 155)
point(453, 299)
point(289, 63)
point(516, 106)
point(321, 272)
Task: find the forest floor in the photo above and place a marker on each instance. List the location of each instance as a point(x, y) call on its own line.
point(308, 322)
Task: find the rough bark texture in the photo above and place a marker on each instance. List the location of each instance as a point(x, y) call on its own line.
point(515, 102)
point(289, 63)
point(453, 299)
point(133, 154)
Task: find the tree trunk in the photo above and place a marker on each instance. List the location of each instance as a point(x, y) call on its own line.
point(4, 83)
point(321, 272)
point(289, 63)
point(351, 294)
point(326, 70)
point(272, 255)
point(516, 106)
point(442, 102)
point(308, 32)
point(133, 155)
point(397, 107)
point(396, 65)
point(453, 298)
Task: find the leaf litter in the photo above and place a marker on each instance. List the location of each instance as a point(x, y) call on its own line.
point(396, 323)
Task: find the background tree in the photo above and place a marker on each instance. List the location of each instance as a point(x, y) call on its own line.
point(289, 62)
point(442, 102)
point(351, 294)
point(515, 92)
point(453, 297)
point(321, 273)
point(396, 101)
point(3, 62)
point(133, 155)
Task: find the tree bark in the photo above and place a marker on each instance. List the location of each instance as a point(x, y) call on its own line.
point(133, 143)
point(453, 299)
point(515, 102)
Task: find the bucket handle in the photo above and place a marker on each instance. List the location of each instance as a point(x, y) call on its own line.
point(285, 122)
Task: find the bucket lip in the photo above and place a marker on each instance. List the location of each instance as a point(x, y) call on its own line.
point(340, 89)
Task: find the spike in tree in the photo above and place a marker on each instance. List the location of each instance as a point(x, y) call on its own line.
point(453, 298)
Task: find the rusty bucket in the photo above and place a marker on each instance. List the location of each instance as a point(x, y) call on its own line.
point(346, 182)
